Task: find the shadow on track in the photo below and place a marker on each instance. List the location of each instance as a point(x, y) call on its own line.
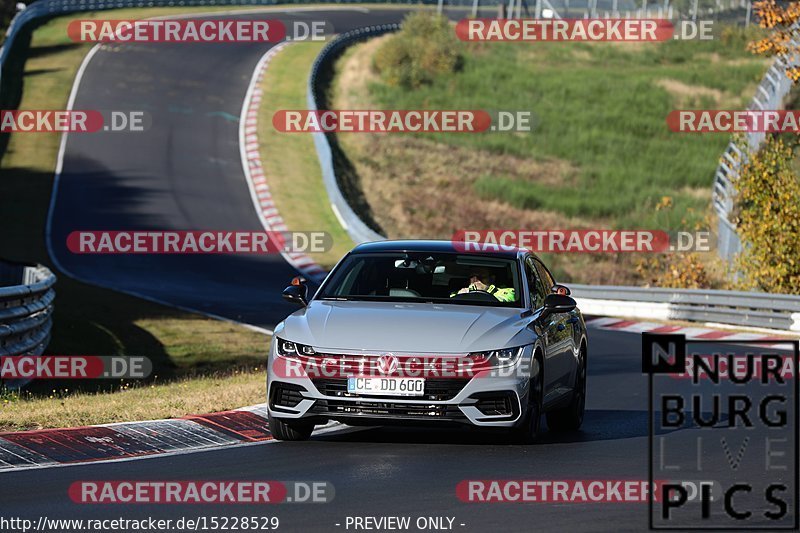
point(599, 425)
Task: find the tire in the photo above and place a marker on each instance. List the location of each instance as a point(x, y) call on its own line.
point(284, 430)
point(529, 429)
point(570, 417)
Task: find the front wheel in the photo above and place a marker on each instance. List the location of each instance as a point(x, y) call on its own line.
point(528, 430)
point(289, 430)
point(570, 417)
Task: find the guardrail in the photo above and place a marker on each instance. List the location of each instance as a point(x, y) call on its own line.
point(350, 221)
point(26, 308)
point(749, 309)
point(774, 87)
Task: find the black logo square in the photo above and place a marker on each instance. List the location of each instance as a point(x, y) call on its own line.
point(663, 353)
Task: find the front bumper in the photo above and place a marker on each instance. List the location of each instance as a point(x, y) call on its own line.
point(481, 400)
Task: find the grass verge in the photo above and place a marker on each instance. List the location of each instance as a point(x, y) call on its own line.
point(601, 107)
point(132, 402)
point(290, 160)
point(599, 156)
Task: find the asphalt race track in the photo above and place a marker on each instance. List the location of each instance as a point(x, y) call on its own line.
point(414, 472)
point(186, 173)
point(398, 471)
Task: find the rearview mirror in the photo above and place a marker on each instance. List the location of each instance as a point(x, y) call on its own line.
point(557, 303)
point(297, 292)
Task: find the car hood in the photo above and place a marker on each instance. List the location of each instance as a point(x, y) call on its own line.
point(406, 327)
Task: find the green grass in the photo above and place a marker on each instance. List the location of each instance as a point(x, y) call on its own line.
point(290, 160)
point(599, 106)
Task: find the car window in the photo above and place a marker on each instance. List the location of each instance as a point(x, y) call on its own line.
point(440, 277)
point(544, 275)
point(534, 285)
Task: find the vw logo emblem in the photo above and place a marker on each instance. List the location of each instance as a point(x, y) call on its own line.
point(387, 363)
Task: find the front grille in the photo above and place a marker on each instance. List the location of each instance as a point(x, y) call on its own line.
point(286, 395)
point(435, 389)
point(420, 366)
point(386, 409)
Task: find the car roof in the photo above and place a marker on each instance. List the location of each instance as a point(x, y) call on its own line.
point(414, 245)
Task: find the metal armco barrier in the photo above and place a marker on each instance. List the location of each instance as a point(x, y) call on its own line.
point(26, 308)
point(774, 87)
point(350, 221)
point(750, 309)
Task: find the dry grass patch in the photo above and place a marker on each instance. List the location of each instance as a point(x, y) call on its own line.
point(198, 345)
point(356, 73)
point(420, 188)
point(687, 95)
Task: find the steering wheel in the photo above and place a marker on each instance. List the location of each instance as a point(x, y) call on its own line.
point(477, 295)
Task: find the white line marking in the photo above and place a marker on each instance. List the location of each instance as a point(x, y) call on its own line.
point(338, 216)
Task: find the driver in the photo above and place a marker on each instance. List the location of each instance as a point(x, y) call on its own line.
point(480, 279)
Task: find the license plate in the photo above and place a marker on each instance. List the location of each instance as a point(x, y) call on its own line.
point(387, 386)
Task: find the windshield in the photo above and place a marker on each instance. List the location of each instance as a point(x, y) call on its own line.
point(426, 277)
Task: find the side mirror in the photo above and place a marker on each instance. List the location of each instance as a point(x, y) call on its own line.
point(297, 292)
point(557, 303)
point(561, 289)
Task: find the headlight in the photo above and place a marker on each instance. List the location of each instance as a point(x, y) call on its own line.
point(504, 357)
point(293, 349)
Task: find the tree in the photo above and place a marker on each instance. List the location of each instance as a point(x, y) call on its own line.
point(768, 190)
point(768, 220)
point(781, 21)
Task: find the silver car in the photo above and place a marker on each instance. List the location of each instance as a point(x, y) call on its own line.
point(419, 332)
